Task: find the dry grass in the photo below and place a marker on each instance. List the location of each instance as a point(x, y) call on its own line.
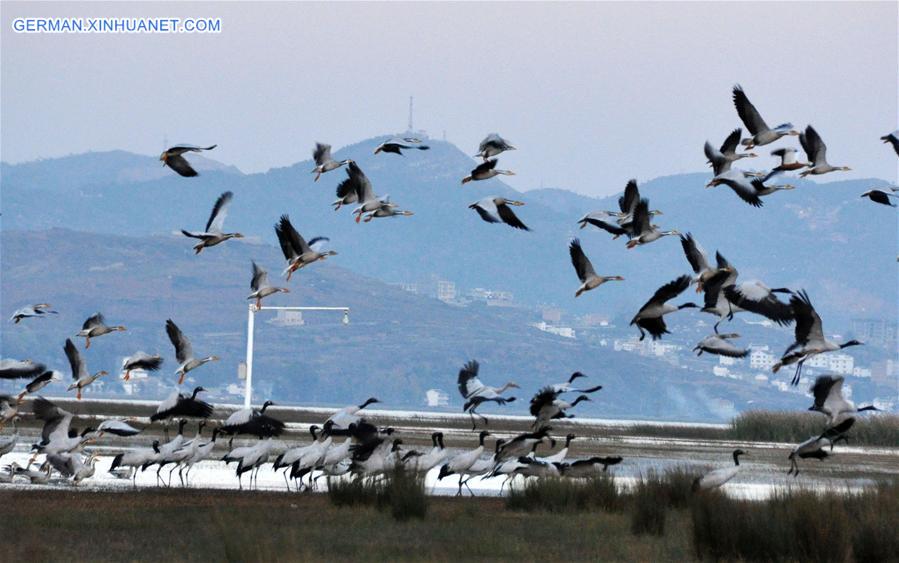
point(566, 495)
point(400, 492)
point(776, 426)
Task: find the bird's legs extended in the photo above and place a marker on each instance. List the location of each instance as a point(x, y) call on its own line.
point(798, 372)
point(87, 342)
point(78, 394)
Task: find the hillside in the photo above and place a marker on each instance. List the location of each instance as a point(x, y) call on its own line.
point(821, 237)
point(396, 346)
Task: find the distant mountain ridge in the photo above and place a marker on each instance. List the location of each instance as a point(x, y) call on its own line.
point(821, 237)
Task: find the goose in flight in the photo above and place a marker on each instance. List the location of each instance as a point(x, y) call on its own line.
point(601, 220)
point(386, 209)
point(749, 189)
point(495, 209)
point(396, 146)
point(213, 234)
point(788, 162)
point(809, 337)
point(80, 376)
point(174, 158)
point(882, 197)
point(627, 203)
point(357, 188)
point(720, 345)
point(323, 161)
point(650, 317)
point(718, 477)
point(20, 369)
point(39, 310)
point(184, 352)
point(493, 145)
point(698, 260)
point(584, 269)
point(893, 139)
point(485, 171)
point(296, 250)
point(829, 400)
point(140, 360)
point(261, 287)
point(724, 297)
point(180, 405)
point(721, 159)
point(38, 383)
point(642, 231)
point(816, 152)
point(752, 119)
point(95, 326)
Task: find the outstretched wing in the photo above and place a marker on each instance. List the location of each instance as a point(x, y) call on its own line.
point(484, 166)
point(579, 260)
point(260, 278)
point(729, 146)
point(180, 165)
point(93, 321)
point(508, 216)
point(219, 212)
point(485, 214)
point(671, 290)
point(468, 381)
point(813, 145)
point(76, 362)
point(694, 253)
point(629, 199)
point(183, 349)
point(641, 223)
point(322, 153)
point(747, 112)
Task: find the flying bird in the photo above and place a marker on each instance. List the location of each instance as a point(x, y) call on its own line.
point(650, 317)
point(214, 234)
point(180, 405)
point(642, 231)
point(788, 162)
point(80, 375)
point(357, 188)
point(140, 360)
point(584, 269)
point(296, 250)
point(95, 326)
point(546, 406)
point(323, 161)
point(20, 369)
point(698, 260)
point(600, 219)
point(752, 119)
point(816, 152)
point(261, 287)
point(809, 337)
point(39, 310)
point(485, 171)
point(494, 209)
point(720, 345)
point(893, 139)
point(493, 145)
point(38, 383)
point(721, 159)
point(174, 159)
point(396, 147)
point(475, 392)
point(385, 210)
point(881, 197)
point(253, 421)
point(749, 189)
point(829, 400)
point(184, 352)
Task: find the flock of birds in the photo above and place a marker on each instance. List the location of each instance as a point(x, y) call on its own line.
point(367, 450)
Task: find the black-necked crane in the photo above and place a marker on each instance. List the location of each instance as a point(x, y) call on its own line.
point(165, 452)
point(816, 153)
point(716, 478)
point(180, 405)
point(880, 196)
point(201, 452)
point(589, 467)
point(642, 230)
point(752, 119)
point(521, 444)
point(95, 326)
point(116, 427)
point(32, 311)
point(495, 209)
point(721, 159)
point(650, 317)
point(349, 414)
point(253, 461)
point(546, 406)
point(296, 250)
point(584, 269)
point(724, 297)
point(892, 139)
point(814, 447)
point(841, 412)
point(721, 345)
point(567, 386)
point(809, 337)
point(254, 422)
point(133, 460)
point(485, 171)
point(174, 158)
point(493, 145)
point(435, 456)
point(260, 286)
point(80, 376)
point(214, 233)
point(321, 154)
point(560, 455)
point(184, 351)
point(476, 393)
point(142, 361)
point(462, 462)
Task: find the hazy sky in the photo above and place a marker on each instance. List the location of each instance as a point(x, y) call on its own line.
point(592, 94)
